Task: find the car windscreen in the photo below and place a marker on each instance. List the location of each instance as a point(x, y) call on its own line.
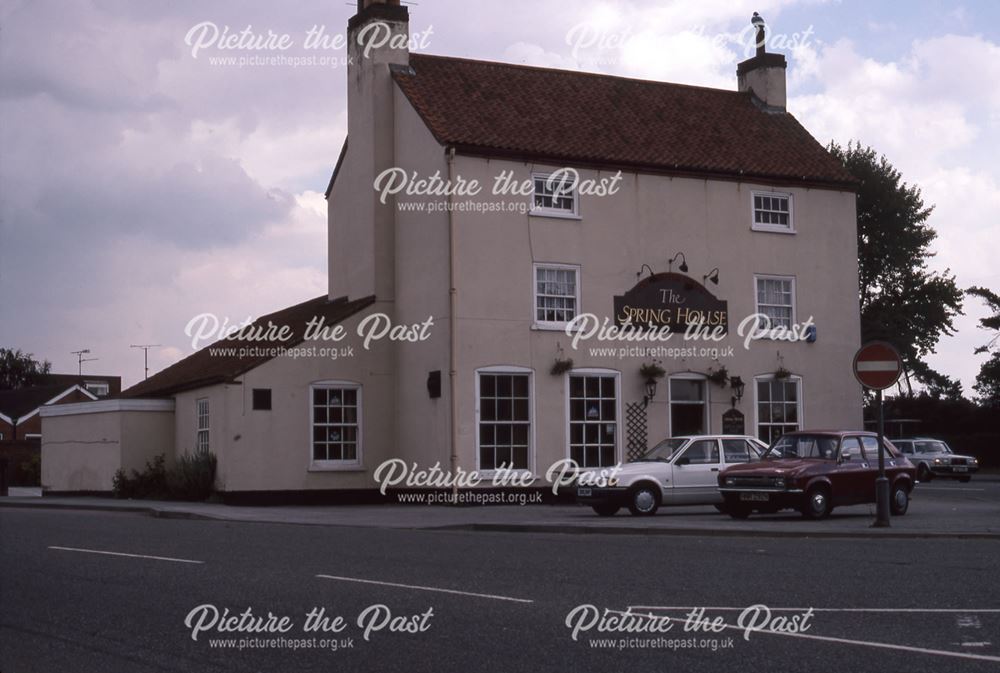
point(803, 446)
point(931, 447)
point(665, 449)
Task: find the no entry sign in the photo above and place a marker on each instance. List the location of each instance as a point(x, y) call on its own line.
point(877, 365)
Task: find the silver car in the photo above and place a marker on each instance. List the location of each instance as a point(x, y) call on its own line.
point(934, 458)
point(677, 471)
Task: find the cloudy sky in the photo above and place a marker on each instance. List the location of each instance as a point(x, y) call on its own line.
point(141, 185)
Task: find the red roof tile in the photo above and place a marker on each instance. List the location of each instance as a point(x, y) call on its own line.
point(571, 117)
point(203, 368)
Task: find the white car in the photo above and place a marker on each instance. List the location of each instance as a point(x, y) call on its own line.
point(677, 471)
point(934, 458)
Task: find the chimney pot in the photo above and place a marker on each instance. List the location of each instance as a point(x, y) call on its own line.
point(764, 74)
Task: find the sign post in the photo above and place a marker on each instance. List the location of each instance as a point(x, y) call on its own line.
point(877, 366)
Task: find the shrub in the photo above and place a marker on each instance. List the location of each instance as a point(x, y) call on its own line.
point(193, 477)
point(150, 483)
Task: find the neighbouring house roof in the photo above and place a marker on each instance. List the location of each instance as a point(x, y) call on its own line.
point(114, 382)
point(336, 169)
point(568, 117)
point(205, 367)
point(21, 404)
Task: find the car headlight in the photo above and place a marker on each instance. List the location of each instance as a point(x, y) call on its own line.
point(779, 482)
point(937, 461)
point(730, 481)
point(976, 461)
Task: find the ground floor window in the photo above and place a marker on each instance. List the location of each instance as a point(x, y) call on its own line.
point(688, 407)
point(779, 406)
point(203, 421)
point(504, 419)
point(593, 419)
point(336, 423)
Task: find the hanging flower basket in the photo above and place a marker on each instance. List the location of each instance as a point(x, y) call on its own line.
point(561, 366)
point(651, 371)
point(719, 377)
point(781, 373)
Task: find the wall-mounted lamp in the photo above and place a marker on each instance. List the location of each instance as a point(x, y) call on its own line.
point(650, 392)
point(684, 265)
point(638, 274)
point(737, 385)
point(712, 275)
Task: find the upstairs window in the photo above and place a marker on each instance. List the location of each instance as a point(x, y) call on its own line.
point(772, 211)
point(98, 388)
point(261, 399)
point(776, 299)
point(553, 197)
point(557, 295)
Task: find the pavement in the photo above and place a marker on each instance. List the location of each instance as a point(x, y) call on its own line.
point(938, 509)
point(98, 591)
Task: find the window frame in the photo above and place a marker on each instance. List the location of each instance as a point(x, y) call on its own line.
point(768, 227)
point(706, 404)
point(619, 437)
point(102, 385)
point(337, 465)
point(800, 404)
point(773, 276)
point(546, 324)
point(198, 427)
point(253, 399)
point(488, 473)
point(542, 211)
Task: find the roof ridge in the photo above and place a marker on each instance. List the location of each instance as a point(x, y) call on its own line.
point(586, 73)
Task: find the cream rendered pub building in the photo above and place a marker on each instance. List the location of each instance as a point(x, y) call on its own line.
point(764, 218)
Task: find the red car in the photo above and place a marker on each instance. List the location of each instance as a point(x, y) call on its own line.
point(815, 471)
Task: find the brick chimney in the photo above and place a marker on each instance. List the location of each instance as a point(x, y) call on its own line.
point(764, 74)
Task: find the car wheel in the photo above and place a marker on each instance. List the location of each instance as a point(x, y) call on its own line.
point(900, 500)
point(644, 501)
point(606, 509)
point(924, 473)
point(817, 505)
point(965, 480)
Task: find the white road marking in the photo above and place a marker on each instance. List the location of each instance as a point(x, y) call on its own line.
point(116, 553)
point(420, 588)
point(864, 643)
point(953, 489)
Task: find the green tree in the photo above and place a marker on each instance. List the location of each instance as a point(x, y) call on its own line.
point(20, 370)
point(902, 301)
point(988, 380)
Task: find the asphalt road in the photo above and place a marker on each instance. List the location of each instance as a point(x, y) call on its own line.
point(500, 601)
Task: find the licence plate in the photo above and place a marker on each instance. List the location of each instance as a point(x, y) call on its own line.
point(754, 497)
point(584, 492)
point(960, 468)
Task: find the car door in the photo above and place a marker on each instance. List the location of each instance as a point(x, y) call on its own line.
point(696, 473)
point(736, 450)
point(851, 478)
point(892, 468)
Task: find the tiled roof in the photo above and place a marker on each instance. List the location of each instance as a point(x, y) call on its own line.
point(570, 117)
point(203, 368)
point(17, 403)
